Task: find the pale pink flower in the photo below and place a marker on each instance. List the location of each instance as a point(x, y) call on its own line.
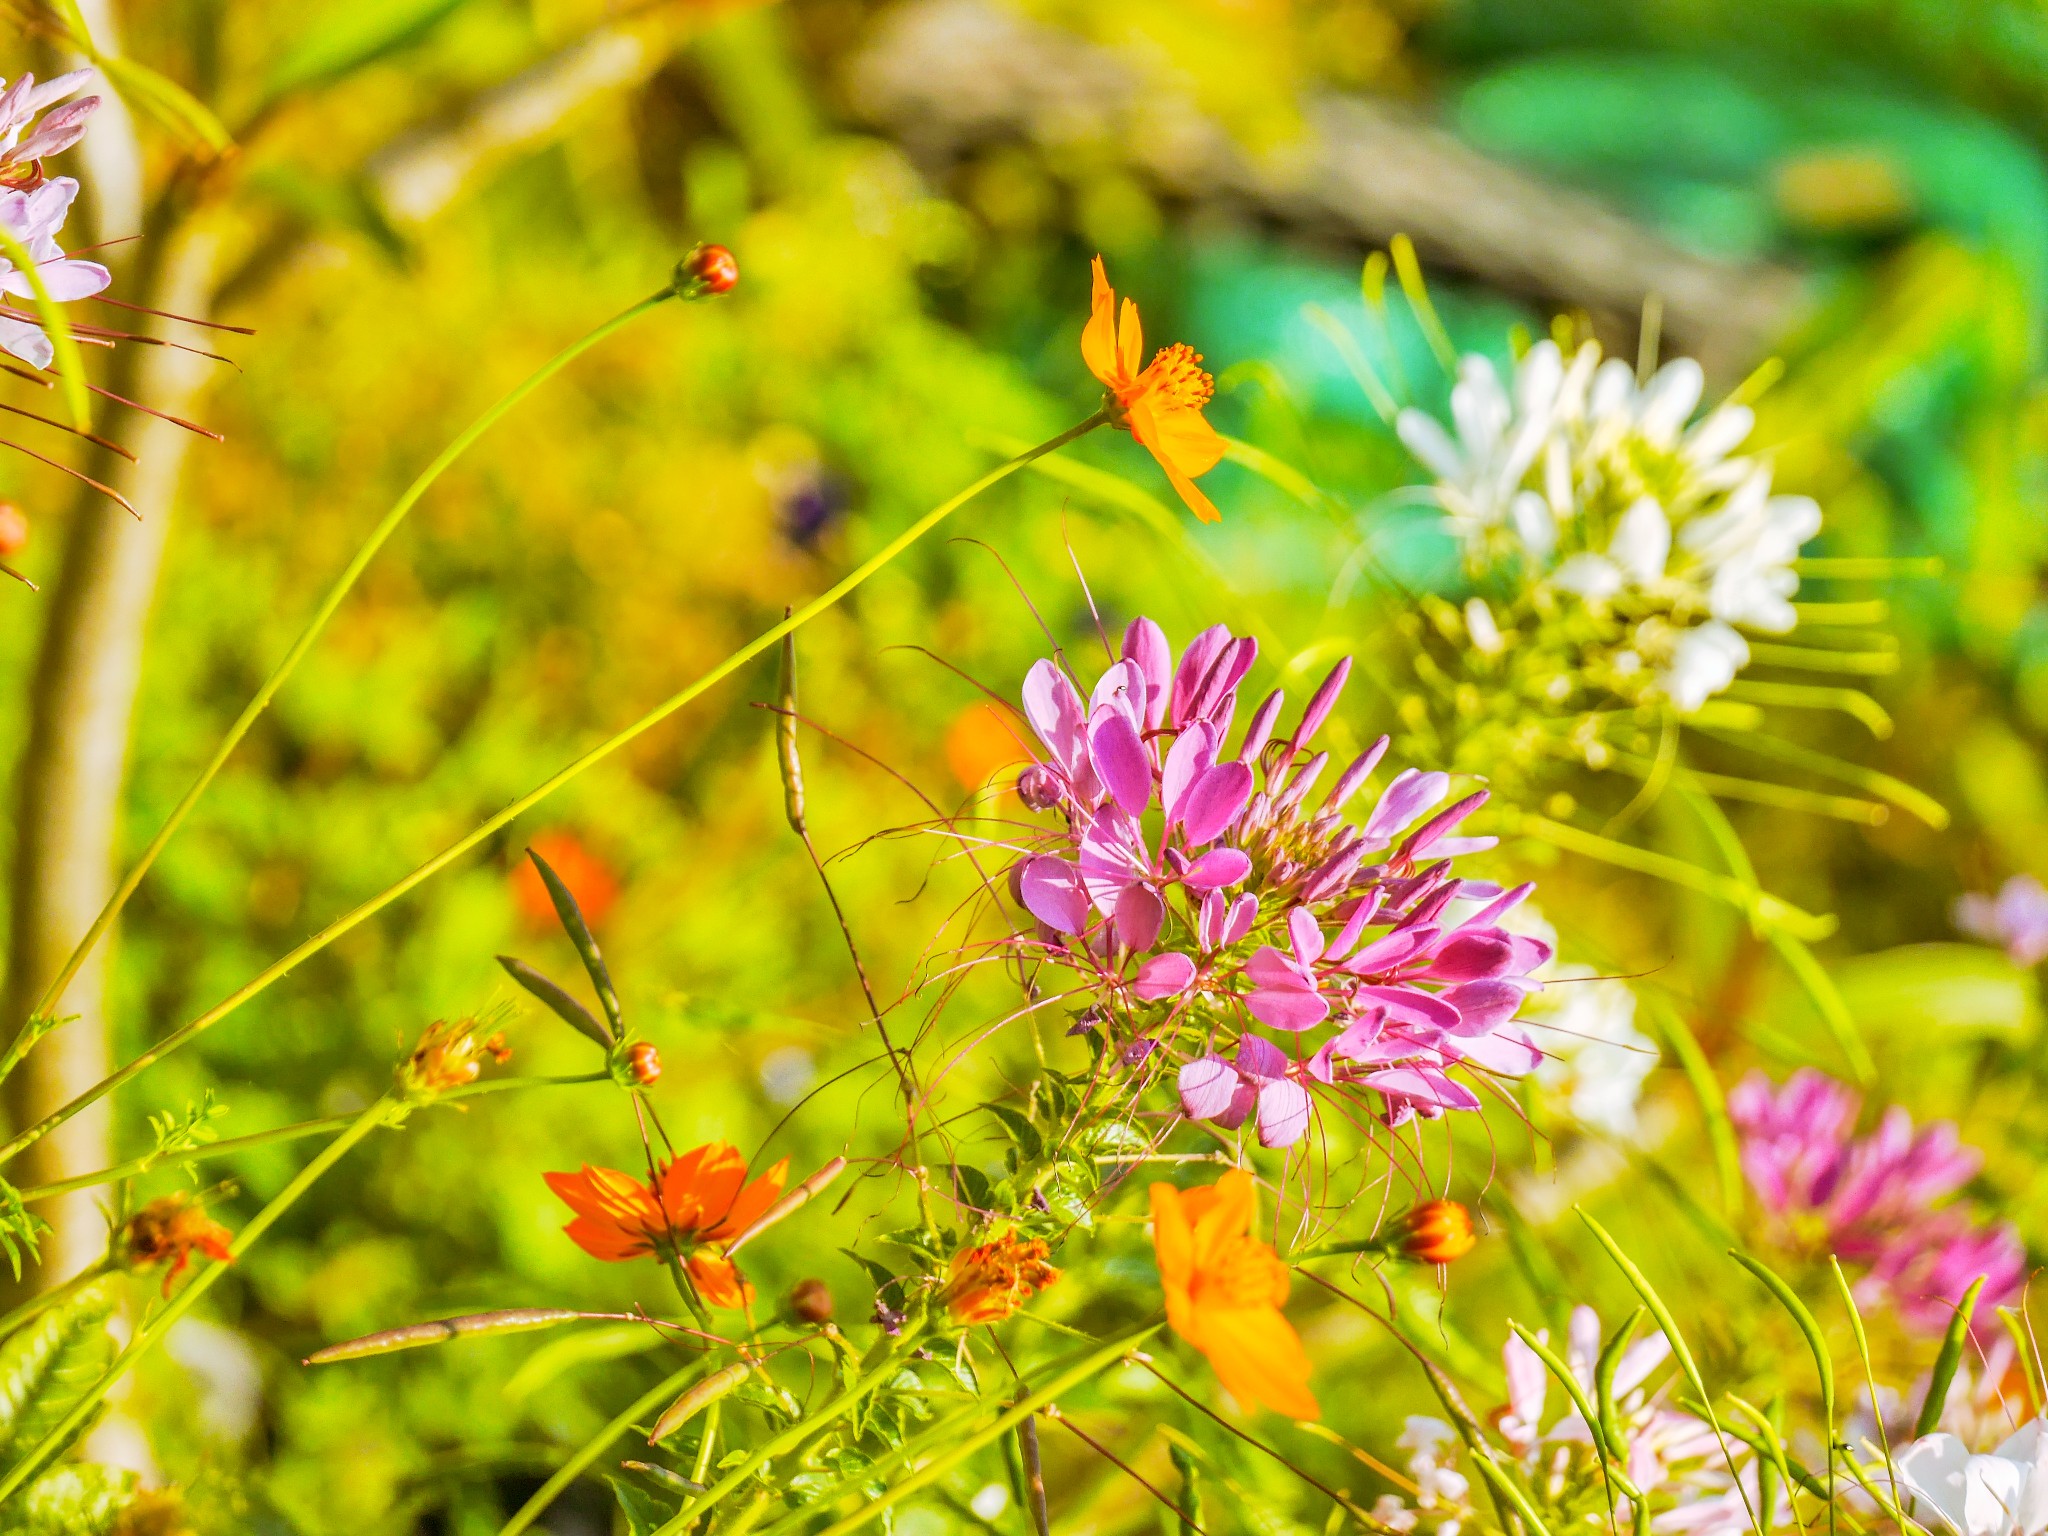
point(2016, 918)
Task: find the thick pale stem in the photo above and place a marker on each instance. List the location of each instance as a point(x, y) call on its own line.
point(286, 964)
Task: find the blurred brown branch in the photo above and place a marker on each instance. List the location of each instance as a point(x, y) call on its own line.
point(948, 75)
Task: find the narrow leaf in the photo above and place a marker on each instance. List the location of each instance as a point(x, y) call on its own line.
point(1945, 1363)
point(586, 945)
point(1827, 1000)
point(564, 1006)
point(47, 1366)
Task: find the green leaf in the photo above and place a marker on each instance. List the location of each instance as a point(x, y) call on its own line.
point(645, 1511)
point(586, 945)
point(20, 1228)
point(559, 1356)
point(47, 1366)
point(79, 1500)
point(1945, 1363)
point(564, 1007)
point(353, 34)
point(1030, 1145)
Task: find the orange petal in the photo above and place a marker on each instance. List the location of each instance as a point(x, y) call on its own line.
point(1130, 339)
point(1167, 434)
point(1172, 1242)
point(1185, 437)
point(1227, 1214)
point(752, 1201)
point(703, 1202)
point(718, 1281)
point(1258, 1357)
point(603, 1240)
point(604, 1194)
point(1098, 337)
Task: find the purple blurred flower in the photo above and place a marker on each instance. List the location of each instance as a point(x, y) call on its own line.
point(1873, 1199)
point(1178, 855)
point(2016, 918)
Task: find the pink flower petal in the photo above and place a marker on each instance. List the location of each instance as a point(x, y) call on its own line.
point(1260, 1058)
point(1207, 1085)
point(1214, 802)
point(1162, 976)
point(1291, 1009)
point(1052, 892)
point(1121, 760)
point(1145, 646)
point(1283, 1114)
point(1218, 867)
point(1139, 916)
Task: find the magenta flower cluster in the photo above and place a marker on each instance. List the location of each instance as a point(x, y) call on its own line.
point(1875, 1200)
point(1194, 886)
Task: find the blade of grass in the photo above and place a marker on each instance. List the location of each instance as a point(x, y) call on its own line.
point(1947, 1361)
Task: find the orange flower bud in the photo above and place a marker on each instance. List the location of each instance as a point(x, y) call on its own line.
point(13, 529)
point(169, 1231)
point(988, 1283)
point(707, 269)
point(812, 1301)
point(1435, 1232)
point(644, 1062)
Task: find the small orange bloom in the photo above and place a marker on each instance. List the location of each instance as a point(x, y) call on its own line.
point(701, 1201)
point(170, 1230)
point(451, 1055)
point(589, 879)
point(983, 740)
point(1160, 406)
point(987, 1283)
point(1435, 1232)
point(1223, 1293)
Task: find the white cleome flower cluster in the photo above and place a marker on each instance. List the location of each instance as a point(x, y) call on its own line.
point(1575, 477)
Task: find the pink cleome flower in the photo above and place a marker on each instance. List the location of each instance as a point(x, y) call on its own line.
point(1874, 1199)
point(1193, 883)
point(34, 206)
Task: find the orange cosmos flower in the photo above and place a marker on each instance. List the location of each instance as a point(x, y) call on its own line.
point(1223, 1293)
point(1160, 406)
point(169, 1230)
point(589, 879)
point(702, 1200)
point(985, 1284)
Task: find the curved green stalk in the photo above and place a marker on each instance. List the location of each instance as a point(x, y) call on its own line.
point(595, 1446)
point(358, 915)
point(149, 1162)
point(939, 1466)
point(51, 314)
point(343, 584)
point(152, 1331)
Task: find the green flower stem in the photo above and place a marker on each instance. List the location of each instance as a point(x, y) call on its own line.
point(149, 1162)
point(51, 316)
point(1024, 1408)
point(350, 920)
point(852, 1397)
point(383, 1112)
point(567, 1473)
point(343, 584)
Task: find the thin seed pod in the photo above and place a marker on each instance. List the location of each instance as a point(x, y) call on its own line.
point(1679, 1347)
point(413, 1335)
point(1577, 1393)
point(1848, 1295)
point(1408, 270)
point(699, 1397)
point(1603, 1375)
point(573, 923)
point(1823, 1365)
point(1771, 1462)
point(560, 1002)
point(2030, 1359)
point(1510, 1490)
point(663, 1475)
point(795, 1200)
point(786, 757)
point(1945, 1363)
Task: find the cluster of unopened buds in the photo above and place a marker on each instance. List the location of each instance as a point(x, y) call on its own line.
point(451, 1054)
point(1253, 908)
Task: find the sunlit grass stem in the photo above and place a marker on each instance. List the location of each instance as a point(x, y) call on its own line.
point(360, 914)
point(343, 585)
point(151, 1333)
